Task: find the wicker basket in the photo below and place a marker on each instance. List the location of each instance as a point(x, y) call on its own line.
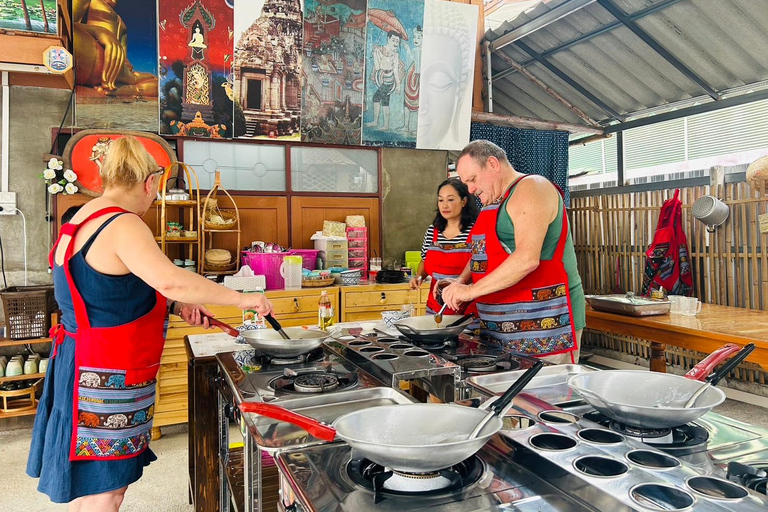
point(218, 268)
point(230, 220)
point(317, 283)
point(28, 311)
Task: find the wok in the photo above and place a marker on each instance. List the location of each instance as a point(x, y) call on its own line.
point(272, 343)
point(408, 437)
point(656, 400)
point(424, 329)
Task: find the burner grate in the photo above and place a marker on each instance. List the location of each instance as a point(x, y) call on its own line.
point(478, 364)
point(315, 383)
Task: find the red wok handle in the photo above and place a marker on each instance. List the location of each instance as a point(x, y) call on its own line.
point(311, 425)
point(702, 370)
point(221, 325)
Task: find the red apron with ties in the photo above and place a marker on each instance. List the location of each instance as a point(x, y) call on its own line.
point(115, 370)
point(444, 261)
point(533, 316)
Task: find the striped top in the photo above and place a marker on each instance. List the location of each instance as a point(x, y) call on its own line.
point(427, 242)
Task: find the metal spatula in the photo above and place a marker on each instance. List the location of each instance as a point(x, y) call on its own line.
point(276, 326)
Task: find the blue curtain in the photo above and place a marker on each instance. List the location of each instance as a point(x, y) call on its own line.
point(531, 151)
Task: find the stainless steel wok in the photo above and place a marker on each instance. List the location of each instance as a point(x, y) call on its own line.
point(424, 329)
point(656, 400)
point(271, 343)
point(417, 438)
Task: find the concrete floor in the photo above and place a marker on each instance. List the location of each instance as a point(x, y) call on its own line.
point(164, 487)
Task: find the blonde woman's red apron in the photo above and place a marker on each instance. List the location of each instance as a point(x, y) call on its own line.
point(444, 261)
point(115, 370)
point(533, 316)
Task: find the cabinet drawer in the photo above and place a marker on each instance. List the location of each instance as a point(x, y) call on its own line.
point(300, 304)
point(385, 299)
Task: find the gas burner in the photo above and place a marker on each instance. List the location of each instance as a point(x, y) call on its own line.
point(646, 435)
point(385, 482)
point(477, 363)
point(315, 355)
point(315, 382)
point(753, 476)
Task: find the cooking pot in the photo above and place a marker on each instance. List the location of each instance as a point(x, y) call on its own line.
point(711, 211)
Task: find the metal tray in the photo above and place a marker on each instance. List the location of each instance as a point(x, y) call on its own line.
point(632, 306)
point(550, 384)
point(272, 436)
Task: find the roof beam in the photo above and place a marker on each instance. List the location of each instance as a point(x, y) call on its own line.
point(527, 74)
point(539, 22)
point(602, 30)
point(570, 81)
point(666, 55)
point(530, 123)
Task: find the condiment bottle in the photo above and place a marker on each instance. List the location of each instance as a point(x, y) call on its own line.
point(324, 311)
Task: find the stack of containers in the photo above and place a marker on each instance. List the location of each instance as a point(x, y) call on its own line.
point(358, 249)
point(333, 251)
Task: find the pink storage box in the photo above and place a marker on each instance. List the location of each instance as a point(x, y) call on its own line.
point(266, 264)
point(308, 257)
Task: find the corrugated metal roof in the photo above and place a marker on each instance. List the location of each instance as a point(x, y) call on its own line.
point(723, 42)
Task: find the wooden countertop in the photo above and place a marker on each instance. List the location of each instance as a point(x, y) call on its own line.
point(713, 327)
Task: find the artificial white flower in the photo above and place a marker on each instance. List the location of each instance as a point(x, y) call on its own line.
point(69, 175)
point(49, 174)
point(70, 188)
point(55, 188)
point(53, 163)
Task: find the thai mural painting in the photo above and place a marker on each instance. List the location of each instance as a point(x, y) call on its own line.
point(196, 84)
point(115, 90)
point(393, 69)
point(333, 71)
point(448, 56)
point(267, 69)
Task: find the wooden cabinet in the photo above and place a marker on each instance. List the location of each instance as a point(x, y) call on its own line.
point(367, 301)
point(299, 307)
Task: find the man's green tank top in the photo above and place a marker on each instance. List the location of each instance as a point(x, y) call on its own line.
point(506, 233)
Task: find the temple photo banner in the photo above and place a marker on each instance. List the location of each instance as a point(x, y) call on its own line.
point(38, 16)
point(447, 70)
point(113, 92)
point(196, 84)
point(333, 68)
point(267, 69)
point(393, 70)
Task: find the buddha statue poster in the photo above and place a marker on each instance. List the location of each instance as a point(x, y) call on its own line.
point(196, 87)
point(115, 53)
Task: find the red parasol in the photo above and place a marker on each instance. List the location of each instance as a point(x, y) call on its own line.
point(387, 21)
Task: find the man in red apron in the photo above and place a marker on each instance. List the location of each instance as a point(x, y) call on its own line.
point(522, 274)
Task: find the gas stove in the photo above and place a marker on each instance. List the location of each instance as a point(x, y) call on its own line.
point(335, 478)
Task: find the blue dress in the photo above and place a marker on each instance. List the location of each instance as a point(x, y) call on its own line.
point(110, 301)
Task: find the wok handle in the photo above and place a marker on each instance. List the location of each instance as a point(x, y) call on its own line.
point(499, 406)
point(311, 425)
point(221, 325)
point(730, 365)
point(460, 320)
point(702, 370)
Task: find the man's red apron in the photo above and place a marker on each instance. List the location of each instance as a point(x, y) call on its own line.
point(115, 370)
point(533, 316)
point(444, 261)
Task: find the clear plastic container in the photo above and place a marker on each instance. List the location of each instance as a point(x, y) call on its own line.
point(290, 269)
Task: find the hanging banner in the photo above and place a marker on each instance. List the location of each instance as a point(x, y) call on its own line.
point(332, 71)
point(115, 89)
point(267, 69)
point(40, 16)
point(196, 46)
point(447, 70)
point(393, 70)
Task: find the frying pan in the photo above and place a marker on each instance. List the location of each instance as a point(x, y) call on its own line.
point(272, 343)
point(423, 329)
point(657, 400)
point(408, 437)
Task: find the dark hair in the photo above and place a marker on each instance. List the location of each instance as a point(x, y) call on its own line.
point(468, 212)
point(394, 33)
point(67, 215)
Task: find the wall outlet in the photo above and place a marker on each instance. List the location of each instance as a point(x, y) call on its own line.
point(7, 203)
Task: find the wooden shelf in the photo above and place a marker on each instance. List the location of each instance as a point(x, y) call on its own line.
point(176, 203)
point(27, 411)
point(15, 343)
point(177, 239)
point(222, 230)
point(22, 377)
point(219, 272)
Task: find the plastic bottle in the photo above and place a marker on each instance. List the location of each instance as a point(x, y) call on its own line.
point(324, 311)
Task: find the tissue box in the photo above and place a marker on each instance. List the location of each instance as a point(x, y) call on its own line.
point(246, 284)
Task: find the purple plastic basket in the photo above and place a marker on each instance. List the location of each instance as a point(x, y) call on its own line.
point(266, 264)
point(308, 257)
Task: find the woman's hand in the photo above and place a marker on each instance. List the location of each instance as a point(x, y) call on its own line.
point(415, 282)
point(194, 314)
point(256, 301)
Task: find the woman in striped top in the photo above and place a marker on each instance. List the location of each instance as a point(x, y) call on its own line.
point(445, 251)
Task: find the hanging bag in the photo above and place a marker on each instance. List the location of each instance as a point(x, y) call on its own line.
point(668, 261)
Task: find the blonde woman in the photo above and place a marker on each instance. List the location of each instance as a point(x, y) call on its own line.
point(92, 431)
